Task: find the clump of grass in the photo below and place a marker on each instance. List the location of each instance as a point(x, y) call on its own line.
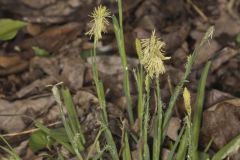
point(11, 153)
point(98, 25)
point(151, 57)
point(70, 123)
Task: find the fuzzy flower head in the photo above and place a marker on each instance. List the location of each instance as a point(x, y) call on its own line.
point(99, 22)
point(151, 55)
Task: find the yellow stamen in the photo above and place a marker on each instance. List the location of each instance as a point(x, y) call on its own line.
point(151, 56)
point(99, 22)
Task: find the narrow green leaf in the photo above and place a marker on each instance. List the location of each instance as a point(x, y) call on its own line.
point(71, 111)
point(118, 29)
point(146, 153)
point(233, 145)
point(95, 144)
point(126, 149)
point(188, 67)
point(60, 134)
point(198, 113)
point(208, 146)
point(11, 154)
point(157, 138)
point(138, 74)
point(111, 143)
point(171, 154)
point(183, 146)
point(9, 150)
point(100, 153)
point(9, 28)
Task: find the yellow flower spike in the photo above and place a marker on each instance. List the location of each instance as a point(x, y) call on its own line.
point(99, 22)
point(138, 47)
point(151, 56)
point(187, 101)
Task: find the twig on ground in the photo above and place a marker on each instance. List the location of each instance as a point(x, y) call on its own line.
point(29, 131)
point(198, 10)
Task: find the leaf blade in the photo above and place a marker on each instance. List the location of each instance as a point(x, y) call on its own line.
point(9, 28)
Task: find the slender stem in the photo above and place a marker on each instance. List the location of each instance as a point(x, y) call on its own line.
point(157, 125)
point(102, 103)
point(118, 28)
point(189, 65)
point(146, 155)
point(98, 84)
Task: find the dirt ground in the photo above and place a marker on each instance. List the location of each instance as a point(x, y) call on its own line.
point(59, 27)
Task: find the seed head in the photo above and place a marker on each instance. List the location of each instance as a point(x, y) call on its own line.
point(151, 55)
point(99, 22)
point(187, 101)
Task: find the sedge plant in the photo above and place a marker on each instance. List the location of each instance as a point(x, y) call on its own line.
point(70, 123)
point(98, 25)
point(151, 56)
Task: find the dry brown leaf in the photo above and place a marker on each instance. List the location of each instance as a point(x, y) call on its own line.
point(69, 69)
point(12, 64)
point(215, 96)
point(34, 29)
point(221, 122)
point(112, 64)
point(173, 128)
point(224, 56)
point(53, 38)
point(36, 87)
point(31, 107)
point(9, 61)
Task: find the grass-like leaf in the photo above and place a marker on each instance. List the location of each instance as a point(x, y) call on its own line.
point(183, 146)
point(146, 153)
point(9, 28)
point(233, 145)
point(70, 123)
point(72, 115)
point(139, 77)
point(157, 125)
point(173, 150)
point(126, 148)
point(9, 150)
point(188, 67)
point(121, 47)
point(199, 108)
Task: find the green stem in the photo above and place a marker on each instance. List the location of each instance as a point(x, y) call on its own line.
point(189, 65)
point(146, 155)
point(118, 29)
point(157, 125)
point(99, 84)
